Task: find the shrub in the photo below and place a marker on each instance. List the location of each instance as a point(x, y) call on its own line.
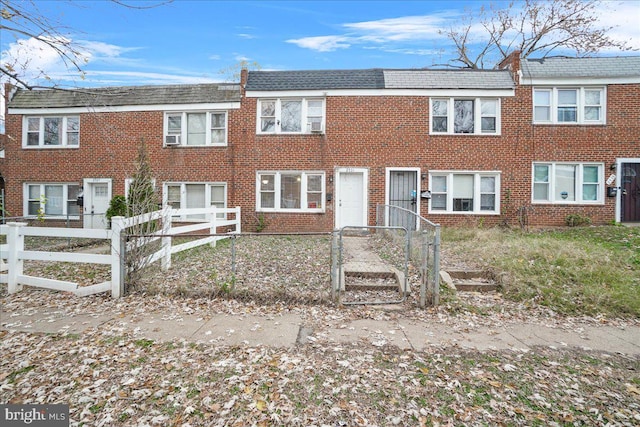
point(575, 220)
point(117, 207)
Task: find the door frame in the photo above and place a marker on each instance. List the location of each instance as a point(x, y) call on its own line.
point(365, 193)
point(387, 184)
point(87, 192)
point(619, 163)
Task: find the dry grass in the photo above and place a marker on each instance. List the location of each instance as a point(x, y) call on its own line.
point(587, 270)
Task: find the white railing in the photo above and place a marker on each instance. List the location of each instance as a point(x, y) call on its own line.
point(13, 254)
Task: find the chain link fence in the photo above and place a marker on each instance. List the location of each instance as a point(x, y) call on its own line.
point(424, 247)
point(260, 267)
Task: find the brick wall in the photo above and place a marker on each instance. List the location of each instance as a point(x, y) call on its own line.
point(367, 132)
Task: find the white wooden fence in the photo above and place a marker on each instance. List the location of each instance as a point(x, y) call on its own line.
point(13, 253)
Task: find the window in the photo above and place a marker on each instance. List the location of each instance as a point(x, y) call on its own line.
point(568, 105)
point(473, 192)
point(204, 128)
point(52, 200)
point(465, 116)
point(290, 191)
point(567, 183)
point(182, 195)
point(51, 132)
point(295, 115)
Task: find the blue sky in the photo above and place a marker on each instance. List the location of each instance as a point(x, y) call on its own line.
point(189, 41)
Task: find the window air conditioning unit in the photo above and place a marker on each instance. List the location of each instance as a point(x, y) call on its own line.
point(172, 140)
point(316, 127)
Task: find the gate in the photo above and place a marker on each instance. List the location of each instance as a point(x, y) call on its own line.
point(360, 276)
point(424, 248)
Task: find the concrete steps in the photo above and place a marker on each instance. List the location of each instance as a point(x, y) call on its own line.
point(469, 280)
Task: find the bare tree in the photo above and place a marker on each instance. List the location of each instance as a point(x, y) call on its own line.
point(24, 21)
point(142, 199)
point(538, 27)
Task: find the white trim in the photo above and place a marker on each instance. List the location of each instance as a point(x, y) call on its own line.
point(577, 81)
point(126, 108)
point(477, 195)
point(183, 196)
point(303, 191)
point(87, 192)
point(580, 106)
point(477, 116)
point(388, 171)
point(305, 127)
point(64, 201)
point(184, 128)
point(490, 93)
point(578, 184)
point(365, 192)
point(62, 131)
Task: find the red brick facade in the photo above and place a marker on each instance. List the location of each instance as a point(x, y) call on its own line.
point(373, 132)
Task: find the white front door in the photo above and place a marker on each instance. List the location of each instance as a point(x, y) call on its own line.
point(351, 197)
point(97, 195)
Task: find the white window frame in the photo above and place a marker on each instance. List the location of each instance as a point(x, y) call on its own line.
point(304, 203)
point(208, 126)
point(579, 181)
point(306, 117)
point(64, 132)
point(43, 201)
point(581, 105)
point(477, 112)
point(477, 192)
point(183, 197)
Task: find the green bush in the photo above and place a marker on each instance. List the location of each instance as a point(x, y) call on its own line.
point(117, 207)
point(575, 220)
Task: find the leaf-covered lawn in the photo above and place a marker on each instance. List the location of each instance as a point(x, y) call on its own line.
point(111, 379)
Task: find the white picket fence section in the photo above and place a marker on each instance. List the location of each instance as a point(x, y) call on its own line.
point(13, 253)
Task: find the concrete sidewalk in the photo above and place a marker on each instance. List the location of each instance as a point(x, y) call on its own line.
point(289, 330)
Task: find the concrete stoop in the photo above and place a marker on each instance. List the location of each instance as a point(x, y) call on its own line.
point(387, 279)
point(469, 280)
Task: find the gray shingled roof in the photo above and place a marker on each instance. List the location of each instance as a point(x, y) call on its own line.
point(126, 95)
point(602, 67)
point(315, 80)
point(448, 79)
point(378, 79)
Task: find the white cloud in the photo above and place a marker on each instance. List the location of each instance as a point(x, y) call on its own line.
point(246, 36)
point(624, 17)
point(323, 43)
point(141, 77)
point(373, 34)
point(424, 27)
point(35, 60)
point(38, 63)
point(410, 34)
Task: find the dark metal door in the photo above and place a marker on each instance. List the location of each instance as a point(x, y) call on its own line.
point(403, 193)
point(630, 197)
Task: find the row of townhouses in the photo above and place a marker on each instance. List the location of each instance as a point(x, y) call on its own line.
point(319, 150)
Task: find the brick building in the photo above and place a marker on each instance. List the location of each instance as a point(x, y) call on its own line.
point(317, 150)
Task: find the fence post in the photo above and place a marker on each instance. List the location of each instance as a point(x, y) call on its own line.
point(334, 266)
point(166, 239)
point(214, 227)
point(424, 273)
point(15, 243)
point(238, 220)
point(117, 255)
point(436, 266)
